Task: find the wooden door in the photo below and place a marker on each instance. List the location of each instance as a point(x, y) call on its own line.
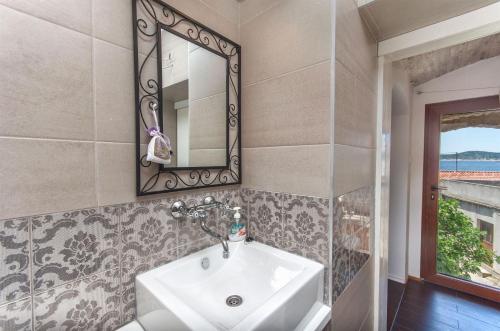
point(430, 193)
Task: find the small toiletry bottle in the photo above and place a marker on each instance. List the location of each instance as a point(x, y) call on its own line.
point(237, 231)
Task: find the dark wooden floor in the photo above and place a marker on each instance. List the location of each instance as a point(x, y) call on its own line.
point(395, 292)
point(429, 307)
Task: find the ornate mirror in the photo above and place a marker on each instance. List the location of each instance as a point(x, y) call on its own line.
point(187, 87)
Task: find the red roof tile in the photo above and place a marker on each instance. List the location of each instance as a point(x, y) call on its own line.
point(470, 175)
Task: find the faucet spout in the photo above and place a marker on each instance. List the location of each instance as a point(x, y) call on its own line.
point(223, 241)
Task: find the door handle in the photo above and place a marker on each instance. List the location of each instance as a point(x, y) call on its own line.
point(438, 188)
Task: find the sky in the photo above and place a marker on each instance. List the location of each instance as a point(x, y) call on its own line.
point(470, 139)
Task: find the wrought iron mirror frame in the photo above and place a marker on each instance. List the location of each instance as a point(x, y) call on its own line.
point(161, 16)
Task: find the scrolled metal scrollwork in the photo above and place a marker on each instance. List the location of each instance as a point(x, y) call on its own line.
point(149, 17)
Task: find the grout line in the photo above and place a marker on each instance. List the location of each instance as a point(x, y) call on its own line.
point(259, 13)
point(218, 13)
point(32, 276)
point(120, 260)
point(94, 102)
point(355, 146)
point(281, 75)
point(47, 139)
point(26, 298)
point(112, 43)
point(286, 146)
point(48, 20)
point(66, 140)
point(90, 35)
point(78, 279)
point(206, 98)
point(239, 22)
point(284, 193)
point(152, 198)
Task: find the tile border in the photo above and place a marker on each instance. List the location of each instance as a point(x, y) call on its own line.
point(273, 204)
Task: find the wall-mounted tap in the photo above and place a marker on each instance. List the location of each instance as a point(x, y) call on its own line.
point(200, 213)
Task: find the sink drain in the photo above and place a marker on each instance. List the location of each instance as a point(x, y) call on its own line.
point(234, 301)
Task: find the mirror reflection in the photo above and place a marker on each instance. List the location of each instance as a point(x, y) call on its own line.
point(194, 103)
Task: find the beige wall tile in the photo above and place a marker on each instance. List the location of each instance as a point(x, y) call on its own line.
point(289, 110)
point(215, 20)
point(115, 173)
point(366, 113)
point(46, 79)
point(207, 123)
point(74, 14)
point(368, 323)
point(290, 36)
point(206, 157)
point(355, 46)
point(112, 20)
point(251, 9)
point(207, 74)
point(114, 92)
point(230, 9)
point(354, 168)
point(355, 110)
point(352, 307)
point(293, 169)
point(41, 176)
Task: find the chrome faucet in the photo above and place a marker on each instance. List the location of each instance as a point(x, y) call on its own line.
point(200, 212)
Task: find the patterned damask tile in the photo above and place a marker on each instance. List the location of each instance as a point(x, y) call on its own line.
point(131, 267)
point(16, 316)
point(148, 228)
point(340, 271)
point(14, 259)
point(360, 204)
point(361, 239)
point(245, 195)
point(351, 212)
point(340, 219)
point(360, 251)
point(309, 252)
point(326, 286)
point(232, 197)
point(91, 303)
point(189, 230)
point(266, 219)
point(71, 245)
point(262, 238)
point(193, 247)
point(305, 221)
point(357, 261)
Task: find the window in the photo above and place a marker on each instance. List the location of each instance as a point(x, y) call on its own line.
point(488, 229)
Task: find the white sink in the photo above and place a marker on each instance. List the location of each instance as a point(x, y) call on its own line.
point(280, 291)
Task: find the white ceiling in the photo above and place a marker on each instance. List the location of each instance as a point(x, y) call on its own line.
point(389, 18)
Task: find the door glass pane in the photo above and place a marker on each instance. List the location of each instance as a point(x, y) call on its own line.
point(469, 199)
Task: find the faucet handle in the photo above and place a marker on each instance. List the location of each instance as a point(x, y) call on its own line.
point(208, 200)
point(178, 209)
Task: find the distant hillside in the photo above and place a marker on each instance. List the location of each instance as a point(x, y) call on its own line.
point(472, 155)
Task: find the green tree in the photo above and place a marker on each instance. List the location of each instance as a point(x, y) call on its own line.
point(460, 248)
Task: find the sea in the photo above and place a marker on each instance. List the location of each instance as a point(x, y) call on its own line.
point(452, 165)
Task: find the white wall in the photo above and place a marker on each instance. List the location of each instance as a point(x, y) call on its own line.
point(398, 209)
point(476, 80)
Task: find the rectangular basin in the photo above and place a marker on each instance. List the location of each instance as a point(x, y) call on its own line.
point(279, 291)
